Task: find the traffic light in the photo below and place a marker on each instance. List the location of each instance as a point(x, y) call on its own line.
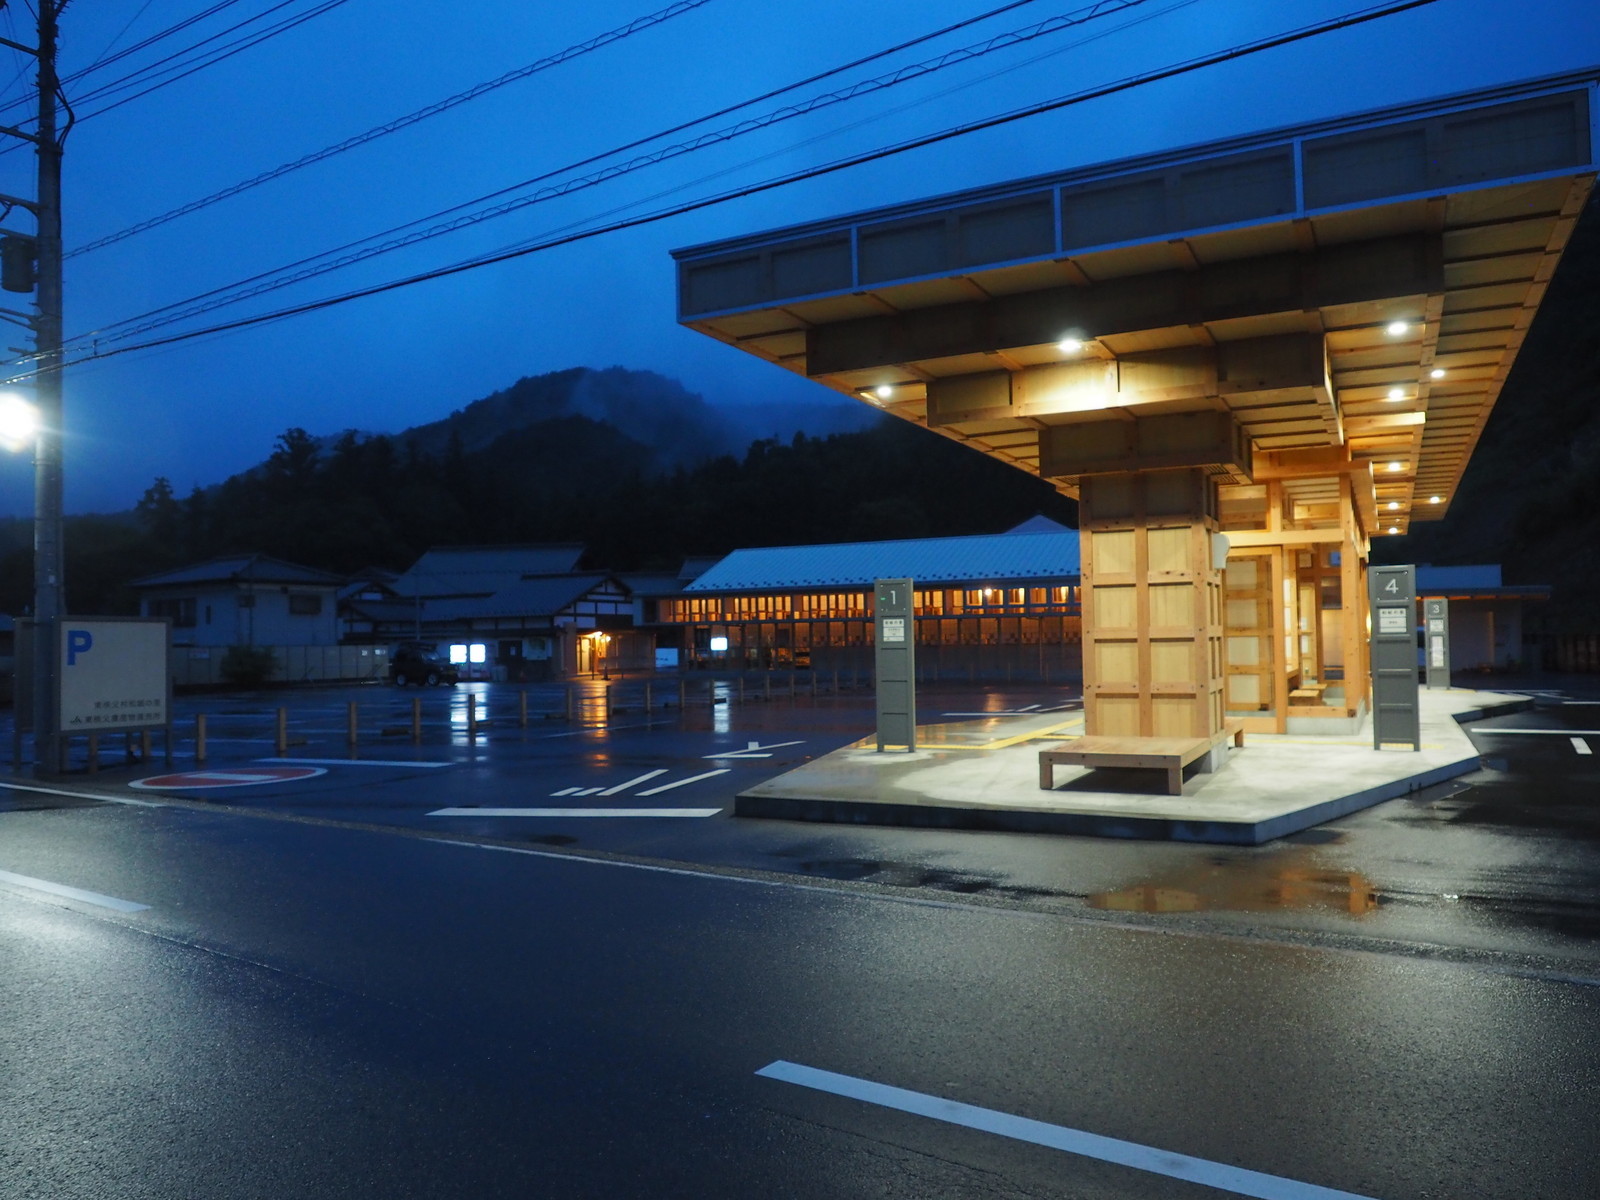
point(18, 263)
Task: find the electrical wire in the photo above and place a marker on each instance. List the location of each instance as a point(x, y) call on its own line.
point(422, 114)
point(362, 249)
point(1127, 83)
point(180, 69)
point(360, 139)
point(221, 54)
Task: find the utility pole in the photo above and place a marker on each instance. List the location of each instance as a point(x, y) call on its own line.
point(48, 584)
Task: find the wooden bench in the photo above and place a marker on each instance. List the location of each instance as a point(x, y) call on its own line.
point(1308, 693)
point(1171, 755)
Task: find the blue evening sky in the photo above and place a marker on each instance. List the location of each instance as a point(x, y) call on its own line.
point(202, 409)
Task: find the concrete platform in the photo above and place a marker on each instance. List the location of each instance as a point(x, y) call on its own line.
point(984, 774)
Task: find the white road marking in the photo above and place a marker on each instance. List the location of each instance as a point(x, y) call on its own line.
point(565, 792)
point(586, 791)
point(1581, 746)
point(667, 787)
point(1238, 1180)
point(1033, 711)
point(575, 812)
point(1555, 732)
point(23, 787)
point(622, 787)
point(753, 750)
point(354, 762)
point(71, 893)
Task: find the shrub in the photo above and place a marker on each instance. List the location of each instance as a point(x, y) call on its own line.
point(248, 666)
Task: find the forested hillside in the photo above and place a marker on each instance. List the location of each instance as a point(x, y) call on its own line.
point(380, 501)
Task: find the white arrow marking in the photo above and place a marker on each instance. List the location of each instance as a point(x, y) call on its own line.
point(622, 787)
point(667, 787)
point(755, 750)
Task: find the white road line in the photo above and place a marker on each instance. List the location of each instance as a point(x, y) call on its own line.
point(354, 762)
point(753, 750)
point(565, 792)
point(1238, 1180)
point(575, 812)
point(23, 787)
point(585, 791)
point(71, 893)
point(667, 787)
point(1554, 732)
point(1581, 746)
point(622, 787)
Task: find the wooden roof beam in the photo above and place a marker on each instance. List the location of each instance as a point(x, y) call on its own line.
point(1408, 266)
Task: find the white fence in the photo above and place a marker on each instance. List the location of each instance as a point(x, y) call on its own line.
point(193, 666)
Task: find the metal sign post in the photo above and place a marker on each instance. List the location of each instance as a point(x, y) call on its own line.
point(1392, 592)
point(1436, 640)
point(894, 646)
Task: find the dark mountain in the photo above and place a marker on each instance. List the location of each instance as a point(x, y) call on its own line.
point(678, 427)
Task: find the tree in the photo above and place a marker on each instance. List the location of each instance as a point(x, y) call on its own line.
point(161, 515)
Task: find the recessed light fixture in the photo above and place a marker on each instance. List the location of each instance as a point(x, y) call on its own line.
point(1435, 499)
point(1394, 529)
point(1396, 328)
point(1070, 345)
point(1393, 504)
point(1394, 466)
point(1436, 373)
point(1396, 394)
point(883, 391)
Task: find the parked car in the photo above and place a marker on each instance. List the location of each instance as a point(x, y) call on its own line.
point(422, 664)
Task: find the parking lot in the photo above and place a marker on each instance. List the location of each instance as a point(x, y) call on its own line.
point(1502, 861)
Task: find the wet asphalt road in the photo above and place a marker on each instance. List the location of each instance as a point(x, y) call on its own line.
point(334, 1002)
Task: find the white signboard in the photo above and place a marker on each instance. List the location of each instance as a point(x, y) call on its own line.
point(666, 658)
point(113, 674)
point(1393, 619)
point(1436, 652)
point(894, 629)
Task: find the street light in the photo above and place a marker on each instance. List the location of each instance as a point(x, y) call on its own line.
point(19, 422)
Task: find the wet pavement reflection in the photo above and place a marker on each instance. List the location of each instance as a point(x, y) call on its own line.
point(1288, 880)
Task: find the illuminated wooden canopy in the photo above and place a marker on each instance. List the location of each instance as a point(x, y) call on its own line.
point(1353, 292)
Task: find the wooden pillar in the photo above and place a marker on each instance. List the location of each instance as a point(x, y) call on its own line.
point(1152, 604)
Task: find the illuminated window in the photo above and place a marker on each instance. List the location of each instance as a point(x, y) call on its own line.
point(458, 654)
point(477, 652)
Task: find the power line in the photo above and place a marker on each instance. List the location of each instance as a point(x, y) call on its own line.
point(181, 69)
point(362, 249)
point(399, 123)
point(275, 173)
point(1128, 83)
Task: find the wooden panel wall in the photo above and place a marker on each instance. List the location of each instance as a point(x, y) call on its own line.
point(1250, 660)
point(1152, 611)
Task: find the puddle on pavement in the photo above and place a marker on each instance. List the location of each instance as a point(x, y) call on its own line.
point(1287, 881)
point(915, 875)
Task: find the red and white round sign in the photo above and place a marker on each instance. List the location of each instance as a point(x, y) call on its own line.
point(185, 781)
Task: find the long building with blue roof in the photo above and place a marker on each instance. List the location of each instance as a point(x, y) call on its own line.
point(981, 601)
